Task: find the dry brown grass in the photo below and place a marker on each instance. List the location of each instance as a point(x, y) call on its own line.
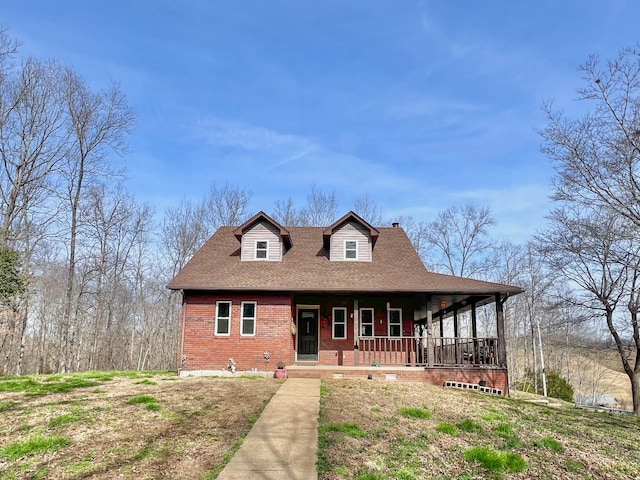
point(196, 423)
point(594, 445)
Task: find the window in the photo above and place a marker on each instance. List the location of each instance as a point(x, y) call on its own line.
point(366, 322)
point(351, 249)
point(261, 249)
point(223, 318)
point(339, 322)
point(395, 322)
point(248, 320)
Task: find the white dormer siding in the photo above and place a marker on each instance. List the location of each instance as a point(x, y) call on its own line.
point(253, 241)
point(341, 242)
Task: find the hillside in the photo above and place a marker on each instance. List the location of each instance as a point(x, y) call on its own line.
point(133, 425)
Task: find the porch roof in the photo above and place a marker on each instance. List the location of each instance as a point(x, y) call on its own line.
point(305, 267)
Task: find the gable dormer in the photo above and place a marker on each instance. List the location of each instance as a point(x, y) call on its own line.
point(350, 239)
point(262, 239)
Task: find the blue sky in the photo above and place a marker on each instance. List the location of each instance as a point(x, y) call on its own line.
point(420, 104)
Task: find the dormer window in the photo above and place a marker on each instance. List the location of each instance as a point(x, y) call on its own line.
point(262, 239)
point(350, 239)
point(351, 249)
point(261, 249)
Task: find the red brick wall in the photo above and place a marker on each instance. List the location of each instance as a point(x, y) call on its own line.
point(380, 324)
point(206, 351)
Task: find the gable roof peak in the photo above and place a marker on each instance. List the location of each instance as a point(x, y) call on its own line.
point(284, 233)
point(351, 215)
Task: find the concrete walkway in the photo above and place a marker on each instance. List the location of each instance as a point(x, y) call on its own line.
point(283, 442)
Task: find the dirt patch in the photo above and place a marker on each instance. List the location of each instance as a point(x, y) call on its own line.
point(183, 427)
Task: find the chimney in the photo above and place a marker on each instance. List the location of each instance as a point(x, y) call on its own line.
point(395, 224)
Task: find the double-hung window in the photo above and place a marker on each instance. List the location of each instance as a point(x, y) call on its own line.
point(366, 322)
point(223, 318)
point(339, 322)
point(351, 249)
point(394, 321)
point(248, 319)
point(261, 249)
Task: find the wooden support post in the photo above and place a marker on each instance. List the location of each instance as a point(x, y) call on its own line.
point(356, 333)
point(456, 334)
point(502, 343)
point(429, 347)
point(474, 333)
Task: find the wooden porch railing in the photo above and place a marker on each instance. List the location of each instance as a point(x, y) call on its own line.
point(428, 351)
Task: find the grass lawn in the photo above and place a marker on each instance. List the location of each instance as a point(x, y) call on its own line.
point(127, 425)
point(149, 425)
point(371, 430)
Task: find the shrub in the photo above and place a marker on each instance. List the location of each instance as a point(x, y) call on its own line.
point(557, 387)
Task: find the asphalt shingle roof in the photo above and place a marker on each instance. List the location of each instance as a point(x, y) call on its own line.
point(395, 267)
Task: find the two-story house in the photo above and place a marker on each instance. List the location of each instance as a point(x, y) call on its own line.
point(346, 299)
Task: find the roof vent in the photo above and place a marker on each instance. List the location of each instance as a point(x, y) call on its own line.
point(395, 224)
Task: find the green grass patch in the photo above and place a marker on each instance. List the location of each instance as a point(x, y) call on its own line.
point(448, 428)
point(83, 468)
point(414, 413)
point(549, 443)
point(146, 381)
point(493, 416)
point(468, 425)
point(6, 406)
point(350, 429)
point(38, 444)
point(503, 430)
point(141, 399)
point(153, 406)
point(496, 461)
point(63, 419)
point(371, 475)
point(573, 466)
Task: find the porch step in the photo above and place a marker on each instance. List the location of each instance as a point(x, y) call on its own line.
point(473, 386)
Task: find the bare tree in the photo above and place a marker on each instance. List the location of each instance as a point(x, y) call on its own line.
point(321, 208)
point(597, 156)
point(286, 214)
point(368, 209)
point(226, 206)
point(592, 251)
point(98, 122)
point(183, 231)
point(33, 140)
point(597, 160)
point(459, 240)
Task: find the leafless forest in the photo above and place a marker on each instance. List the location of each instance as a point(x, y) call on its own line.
point(84, 264)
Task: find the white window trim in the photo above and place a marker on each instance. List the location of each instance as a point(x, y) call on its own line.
point(334, 323)
point(345, 250)
point(372, 322)
point(389, 320)
point(266, 250)
point(218, 317)
point(254, 318)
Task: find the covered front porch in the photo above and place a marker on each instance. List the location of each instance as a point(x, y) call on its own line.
point(434, 338)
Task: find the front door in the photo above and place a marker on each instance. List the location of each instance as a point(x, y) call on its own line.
point(308, 334)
